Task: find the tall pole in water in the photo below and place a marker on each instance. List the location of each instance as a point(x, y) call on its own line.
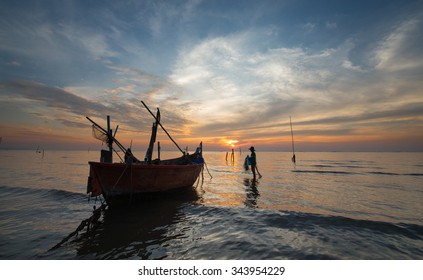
point(292, 136)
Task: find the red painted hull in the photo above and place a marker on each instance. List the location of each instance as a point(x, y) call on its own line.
point(120, 179)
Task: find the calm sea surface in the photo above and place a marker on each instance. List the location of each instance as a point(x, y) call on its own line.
point(327, 206)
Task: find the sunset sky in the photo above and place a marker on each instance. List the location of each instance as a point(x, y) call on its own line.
point(349, 73)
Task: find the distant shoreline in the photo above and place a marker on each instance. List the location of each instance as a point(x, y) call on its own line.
point(218, 151)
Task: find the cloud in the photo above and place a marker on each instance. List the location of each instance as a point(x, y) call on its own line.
point(215, 70)
point(309, 27)
point(241, 89)
point(229, 76)
point(349, 65)
point(94, 44)
point(401, 49)
point(55, 98)
point(134, 85)
point(399, 118)
point(58, 50)
point(331, 25)
point(15, 63)
point(51, 105)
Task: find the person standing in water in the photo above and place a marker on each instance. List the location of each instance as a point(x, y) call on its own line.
point(253, 162)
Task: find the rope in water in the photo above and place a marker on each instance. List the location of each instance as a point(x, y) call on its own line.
point(85, 223)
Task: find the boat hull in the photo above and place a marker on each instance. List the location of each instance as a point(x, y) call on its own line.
point(118, 180)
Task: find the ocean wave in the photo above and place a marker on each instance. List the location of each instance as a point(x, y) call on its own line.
point(357, 173)
point(335, 166)
point(324, 172)
point(299, 221)
point(302, 220)
point(53, 193)
point(395, 174)
point(304, 235)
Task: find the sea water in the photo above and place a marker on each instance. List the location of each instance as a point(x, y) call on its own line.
point(326, 206)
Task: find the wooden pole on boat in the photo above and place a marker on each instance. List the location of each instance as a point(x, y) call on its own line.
point(158, 150)
point(292, 136)
point(170, 137)
point(116, 129)
point(109, 134)
point(149, 154)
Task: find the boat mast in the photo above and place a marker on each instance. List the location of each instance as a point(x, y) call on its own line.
point(109, 138)
point(102, 130)
point(292, 136)
point(106, 155)
point(149, 153)
point(170, 137)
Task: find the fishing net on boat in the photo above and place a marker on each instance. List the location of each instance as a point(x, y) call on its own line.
point(100, 135)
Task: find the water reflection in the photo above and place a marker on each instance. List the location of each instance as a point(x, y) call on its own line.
point(139, 232)
point(252, 192)
point(232, 158)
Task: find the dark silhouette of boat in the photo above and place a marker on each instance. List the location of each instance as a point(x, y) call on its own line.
point(127, 181)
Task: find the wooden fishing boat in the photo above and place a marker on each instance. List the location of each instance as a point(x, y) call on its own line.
point(125, 181)
point(119, 182)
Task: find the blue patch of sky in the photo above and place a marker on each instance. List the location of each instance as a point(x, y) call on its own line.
point(311, 25)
